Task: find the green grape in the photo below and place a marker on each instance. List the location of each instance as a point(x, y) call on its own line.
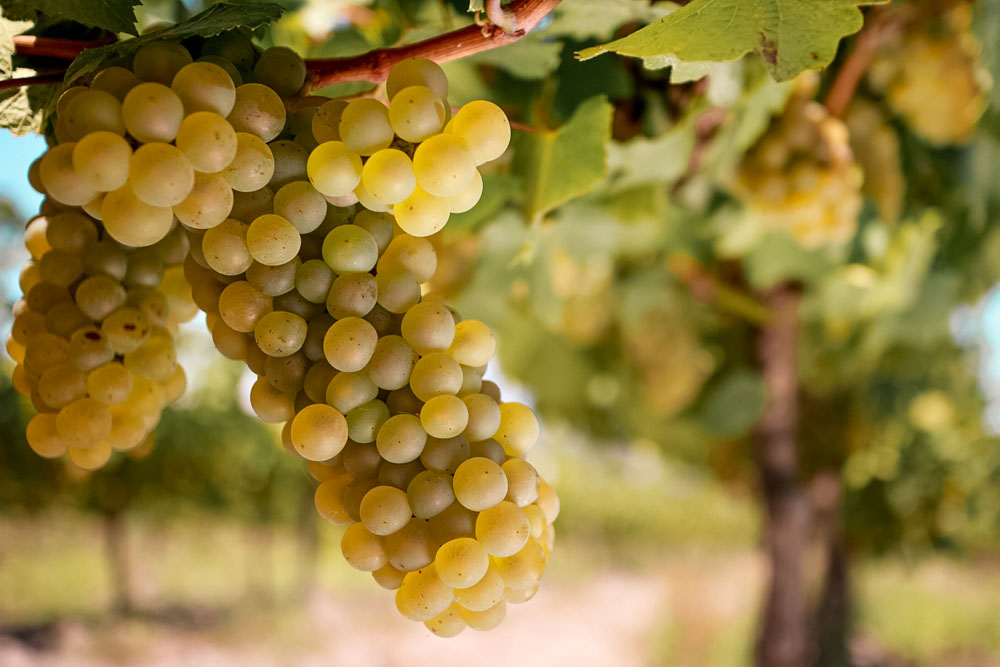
point(241, 306)
point(435, 374)
point(144, 268)
point(281, 69)
point(462, 562)
point(44, 351)
point(364, 127)
point(61, 384)
point(399, 475)
point(27, 326)
point(319, 432)
point(518, 430)
point(422, 214)
point(273, 240)
point(428, 327)
point(227, 66)
point(273, 406)
point(93, 207)
point(128, 428)
point(444, 165)
point(474, 343)
point(416, 113)
point(36, 237)
point(65, 318)
point(430, 493)
point(398, 290)
point(258, 110)
point(61, 181)
point(448, 623)
point(152, 112)
point(347, 391)
point(362, 549)
point(391, 363)
point(355, 493)
point(485, 129)
point(110, 384)
point(152, 302)
point(334, 169)
point(313, 280)
point(350, 249)
point(280, 333)
point(536, 519)
point(250, 205)
point(410, 548)
point(326, 122)
point(203, 86)
point(313, 345)
point(44, 438)
point(547, 501)
point(274, 280)
point(388, 176)
point(105, 258)
point(225, 248)
point(125, 329)
point(155, 359)
point(425, 593)
point(232, 46)
point(101, 159)
point(385, 510)
point(401, 439)
point(320, 470)
point(294, 303)
point(83, 423)
point(28, 277)
point(414, 254)
point(133, 222)
point(352, 295)
point(93, 111)
point(43, 296)
point(484, 418)
point(417, 72)
point(364, 421)
point(88, 349)
point(349, 344)
point(479, 484)
point(469, 197)
point(301, 204)
point(484, 620)
point(160, 174)
point(381, 226)
point(361, 460)
point(70, 231)
point(503, 530)
point(388, 577)
point(160, 61)
point(253, 165)
point(289, 163)
point(90, 458)
point(445, 453)
point(522, 482)
point(491, 389)
point(317, 381)
point(369, 202)
point(230, 343)
point(444, 416)
point(208, 141)
point(99, 296)
point(146, 400)
point(60, 268)
point(486, 593)
point(524, 569)
point(329, 498)
point(115, 80)
point(209, 202)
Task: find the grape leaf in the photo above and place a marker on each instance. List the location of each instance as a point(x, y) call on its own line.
point(558, 165)
point(527, 58)
point(217, 18)
point(21, 109)
point(113, 15)
point(735, 403)
point(598, 19)
point(790, 35)
point(661, 159)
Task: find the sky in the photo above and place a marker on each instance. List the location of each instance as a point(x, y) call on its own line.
point(17, 154)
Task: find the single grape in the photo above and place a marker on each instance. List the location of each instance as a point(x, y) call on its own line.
point(209, 202)
point(203, 86)
point(350, 249)
point(388, 176)
point(101, 159)
point(258, 110)
point(280, 333)
point(334, 169)
point(479, 484)
point(417, 72)
point(444, 165)
point(364, 127)
point(273, 240)
point(485, 129)
point(416, 113)
point(160, 174)
point(319, 432)
point(152, 112)
point(208, 141)
point(282, 69)
point(253, 165)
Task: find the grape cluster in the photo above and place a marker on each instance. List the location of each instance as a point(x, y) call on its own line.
point(93, 337)
point(305, 246)
point(933, 77)
point(801, 175)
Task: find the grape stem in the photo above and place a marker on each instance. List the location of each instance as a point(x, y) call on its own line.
point(374, 66)
point(38, 79)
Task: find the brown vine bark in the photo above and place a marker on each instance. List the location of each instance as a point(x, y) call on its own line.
point(784, 639)
point(116, 555)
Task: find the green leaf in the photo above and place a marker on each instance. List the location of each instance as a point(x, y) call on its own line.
point(527, 58)
point(790, 35)
point(21, 109)
point(661, 159)
point(561, 164)
point(598, 19)
point(8, 29)
point(734, 404)
point(217, 18)
point(112, 15)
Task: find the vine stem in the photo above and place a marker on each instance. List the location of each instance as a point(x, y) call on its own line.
point(38, 79)
point(51, 47)
point(374, 66)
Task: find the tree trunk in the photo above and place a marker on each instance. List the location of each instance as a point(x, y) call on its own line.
point(116, 554)
point(833, 612)
point(307, 531)
point(784, 635)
